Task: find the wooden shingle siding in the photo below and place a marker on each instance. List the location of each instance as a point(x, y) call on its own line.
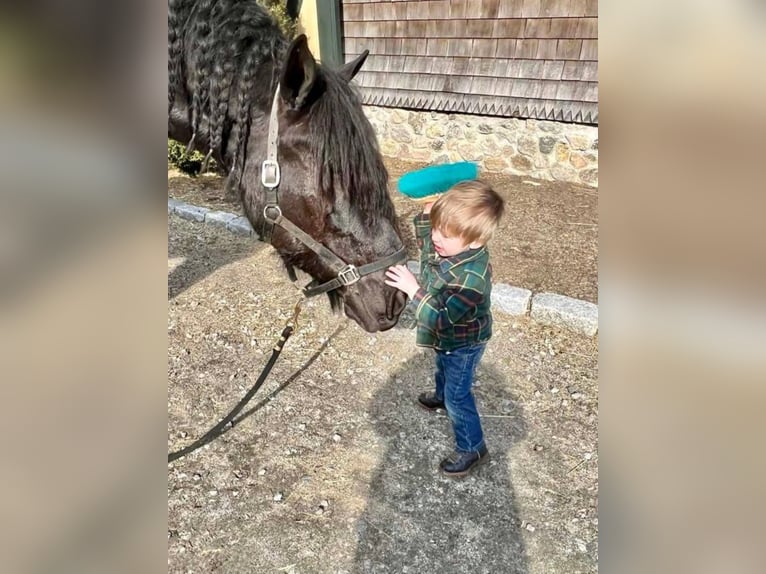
point(520, 58)
point(555, 8)
point(483, 85)
point(353, 12)
point(537, 28)
point(509, 10)
point(490, 9)
point(565, 27)
point(530, 8)
point(547, 49)
point(484, 48)
point(589, 50)
point(568, 49)
point(457, 9)
point(553, 69)
point(508, 28)
point(478, 28)
point(526, 48)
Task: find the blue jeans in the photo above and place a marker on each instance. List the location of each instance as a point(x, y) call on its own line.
point(455, 372)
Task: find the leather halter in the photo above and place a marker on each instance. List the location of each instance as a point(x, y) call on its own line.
point(345, 273)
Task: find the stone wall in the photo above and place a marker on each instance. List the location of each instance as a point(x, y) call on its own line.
point(535, 148)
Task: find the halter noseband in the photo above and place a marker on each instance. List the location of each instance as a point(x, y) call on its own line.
point(345, 273)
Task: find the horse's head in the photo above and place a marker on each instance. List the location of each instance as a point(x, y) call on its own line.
point(333, 185)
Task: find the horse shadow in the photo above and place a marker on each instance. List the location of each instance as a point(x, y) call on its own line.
point(417, 520)
point(194, 256)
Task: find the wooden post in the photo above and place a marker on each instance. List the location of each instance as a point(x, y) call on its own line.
point(307, 19)
point(330, 31)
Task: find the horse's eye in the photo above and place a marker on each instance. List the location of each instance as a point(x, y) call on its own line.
point(339, 220)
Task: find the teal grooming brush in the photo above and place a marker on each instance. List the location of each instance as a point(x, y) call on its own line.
point(424, 185)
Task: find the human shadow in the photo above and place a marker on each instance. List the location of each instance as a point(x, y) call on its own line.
point(202, 252)
point(420, 521)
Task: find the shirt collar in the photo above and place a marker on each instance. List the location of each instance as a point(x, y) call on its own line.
point(447, 263)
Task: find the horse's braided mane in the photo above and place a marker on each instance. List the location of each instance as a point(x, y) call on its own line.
point(200, 74)
point(226, 42)
point(178, 13)
point(231, 45)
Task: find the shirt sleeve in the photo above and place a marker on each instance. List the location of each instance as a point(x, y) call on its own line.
point(422, 224)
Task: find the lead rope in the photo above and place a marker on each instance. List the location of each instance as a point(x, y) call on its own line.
point(219, 429)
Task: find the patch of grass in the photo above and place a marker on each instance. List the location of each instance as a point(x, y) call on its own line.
point(188, 163)
point(278, 9)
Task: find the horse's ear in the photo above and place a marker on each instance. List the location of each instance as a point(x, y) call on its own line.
point(350, 69)
point(299, 74)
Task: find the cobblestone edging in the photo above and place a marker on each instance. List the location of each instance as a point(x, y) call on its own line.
point(545, 308)
point(537, 148)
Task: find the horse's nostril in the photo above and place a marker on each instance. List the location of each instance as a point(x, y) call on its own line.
point(399, 302)
point(393, 307)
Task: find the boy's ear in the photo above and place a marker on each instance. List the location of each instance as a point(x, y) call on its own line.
point(475, 245)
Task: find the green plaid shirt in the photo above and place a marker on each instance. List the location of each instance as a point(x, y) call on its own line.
point(453, 302)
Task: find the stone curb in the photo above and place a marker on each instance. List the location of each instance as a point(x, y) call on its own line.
point(235, 223)
point(511, 300)
point(562, 311)
point(545, 308)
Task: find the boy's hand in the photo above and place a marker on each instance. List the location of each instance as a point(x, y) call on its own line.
point(400, 277)
point(427, 207)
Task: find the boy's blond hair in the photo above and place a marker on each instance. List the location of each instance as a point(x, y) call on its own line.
point(470, 210)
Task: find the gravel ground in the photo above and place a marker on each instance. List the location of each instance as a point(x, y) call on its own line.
point(332, 468)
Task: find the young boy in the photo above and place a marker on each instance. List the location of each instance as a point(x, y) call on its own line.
point(453, 306)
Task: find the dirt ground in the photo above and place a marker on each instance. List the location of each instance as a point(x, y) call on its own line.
point(548, 240)
point(332, 468)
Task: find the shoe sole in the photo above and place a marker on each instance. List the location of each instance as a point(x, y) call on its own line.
point(467, 471)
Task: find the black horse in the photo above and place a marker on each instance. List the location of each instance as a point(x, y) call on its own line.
point(230, 69)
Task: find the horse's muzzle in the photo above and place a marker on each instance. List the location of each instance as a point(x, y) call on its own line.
point(374, 305)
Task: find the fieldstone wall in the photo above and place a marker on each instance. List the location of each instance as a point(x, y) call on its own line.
point(536, 148)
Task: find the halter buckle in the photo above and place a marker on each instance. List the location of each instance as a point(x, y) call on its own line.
point(272, 214)
point(348, 275)
point(270, 174)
